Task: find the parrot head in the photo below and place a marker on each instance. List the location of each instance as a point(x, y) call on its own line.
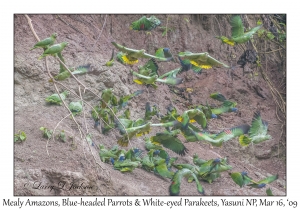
point(234, 109)
point(166, 50)
point(54, 35)
point(156, 152)
point(244, 173)
point(217, 160)
point(112, 161)
point(261, 185)
point(213, 116)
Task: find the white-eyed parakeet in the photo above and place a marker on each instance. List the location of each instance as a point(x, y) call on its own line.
point(54, 49)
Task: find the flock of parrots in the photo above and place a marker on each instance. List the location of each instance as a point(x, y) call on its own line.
point(157, 159)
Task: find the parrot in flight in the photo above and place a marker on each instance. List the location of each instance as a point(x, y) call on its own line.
point(170, 141)
point(145, 24)
point(238, 35)
point(262, 183)
point(55, 99)
point(257, 132)
point(195, 115)
point(202, 60)
point(131, 56)
point(123, 101)
point(227, 106)
point(54, 49)
point(45, 43)
point(164, 53)
point(149, 69)
point(228, 134)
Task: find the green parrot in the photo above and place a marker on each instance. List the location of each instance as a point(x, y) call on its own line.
point(61, 67)
point(126, 114)
point(151, 80)
point(201, 136)
point(150, 111)
point(202, 60)
point(149, 69)
point(75, 107)
point(172, 73)
point(163, 53)
point(241, 178)
point(45, 43)
point(133, 154)
point(262, 183)
point(228, 134)
point(176, 181)
point(106, 97)
point(152, 145)
point(227, 106)
point(147, 161)
point(62, 75)
point(131, 56)
point(269, 192)
point(133, 131)
point(257, 132)
point(238, 36)
point(105, 154)
point(82, 69)
point(95, 115)
point(198, 161)
point(123, 101)
point(186, 65)
point(145, 24)
point(170, 141)
point(218, 96)
point(55, 99)
point(54, 49)
point(111, 60)
point(162, 169)
point(193, 115)
point(126, 165)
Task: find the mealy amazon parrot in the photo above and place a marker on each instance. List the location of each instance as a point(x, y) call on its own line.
point(257, 132)
point(111, 60)
point(45, 43)
point(241, 178)
point(54, 49)
point(228, 134)
point(145, 24)
point(75, 107)
point(174, 188)
point(106, 97)
point(123, 101)
point(149, 69)
point(131, 56)
point(262, 183)
point(202, 60)
point(170, 141)
point(238, 36)
point(82, 69)
point(55, 99)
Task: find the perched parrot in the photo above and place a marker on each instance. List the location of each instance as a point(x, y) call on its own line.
point(82, 69)
point(198, 161)
point(106, 97)
point(134, 154)
point(170, 141)
point(145, 24)
point(75, 107)
point(218, 96)
point(147, 161)
point(149, 69)
point(228, 134)
point(163, 53)
point(54, 49)
point(176, 181)
point(105, 154)
point(61, 67)
point(123, 101)
point(202, 60)
point(227, 106)
point(126, 114)
point(111, 60)
point(126, 165)
point(238, 36)
point(257, 132)
point(95, 115)
point(55, 99)
point(45, 43)
point(241, 178)
point(162, 169)
point(262, 183)
point(131, 55)
point(152, 145)
point(62, 75)
point(150, 111)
